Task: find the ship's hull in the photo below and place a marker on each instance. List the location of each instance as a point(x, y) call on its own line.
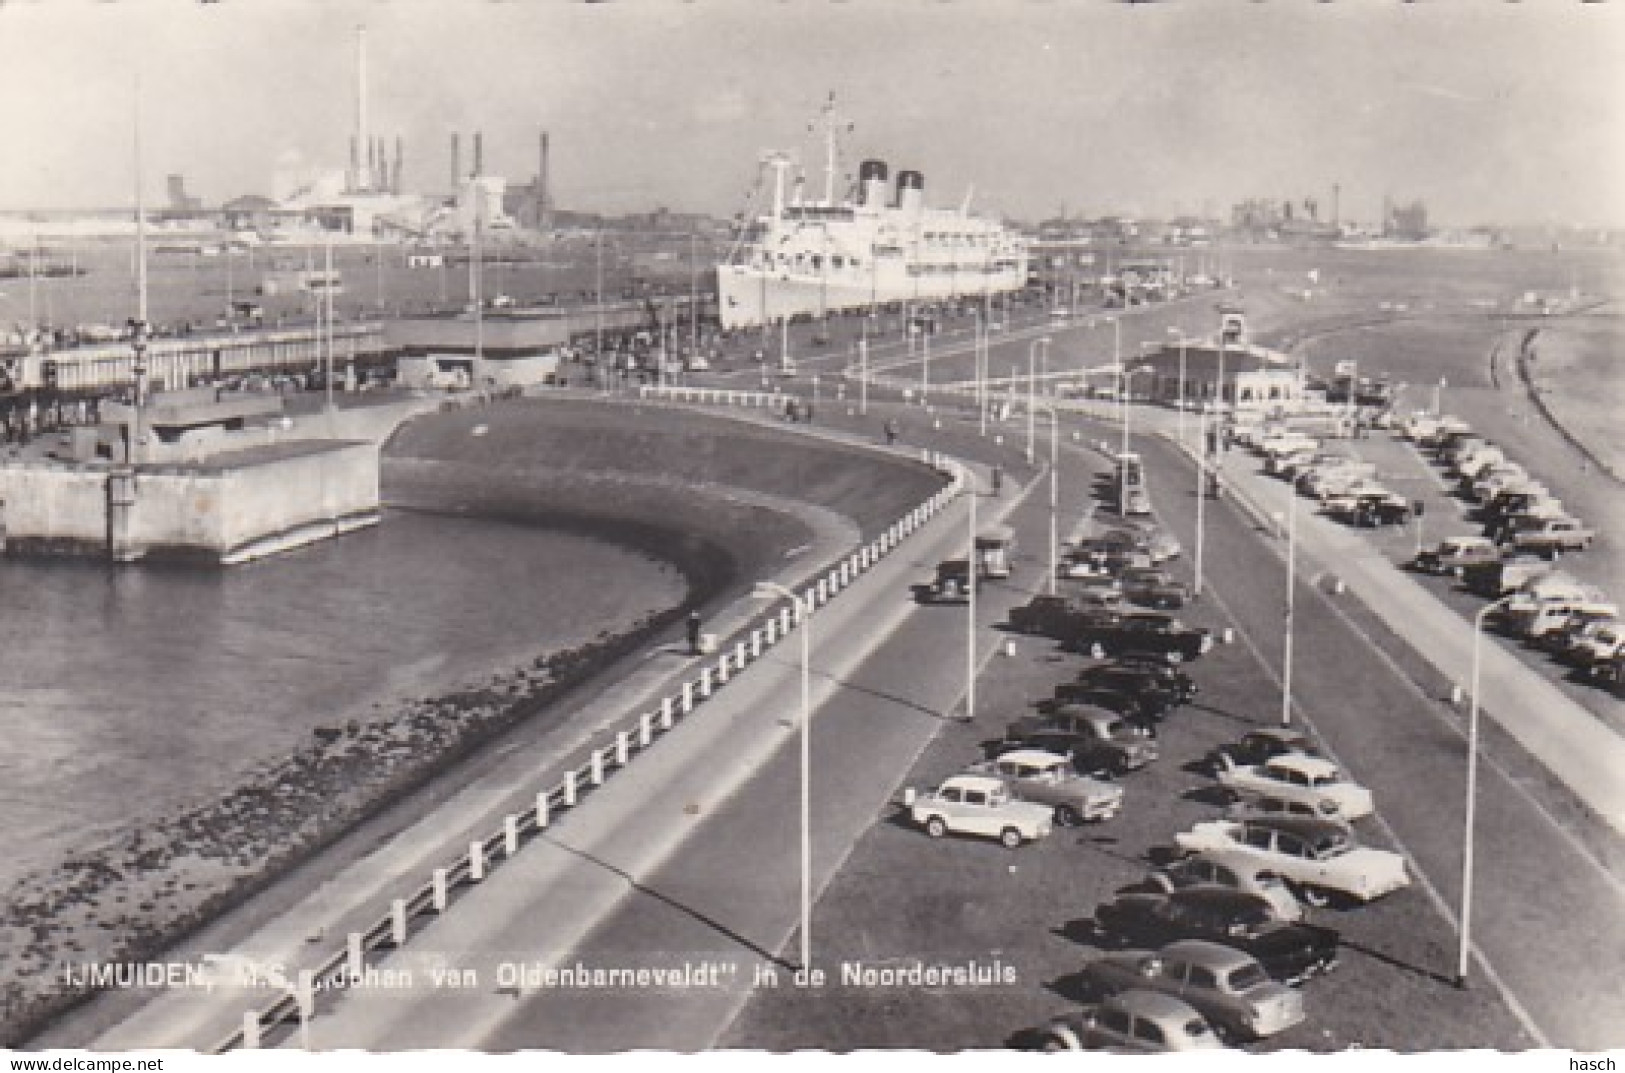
point(748, 296)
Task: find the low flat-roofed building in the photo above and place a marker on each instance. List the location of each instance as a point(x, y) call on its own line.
point(1254, 377)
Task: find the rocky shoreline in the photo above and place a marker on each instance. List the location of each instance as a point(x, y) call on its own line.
point(133, 898)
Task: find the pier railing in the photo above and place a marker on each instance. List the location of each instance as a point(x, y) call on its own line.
point(636, 734)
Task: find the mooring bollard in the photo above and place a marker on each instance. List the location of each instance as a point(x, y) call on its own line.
point(722, 670)
point(570, 789)
point(251, 1030)
point(739, 655)
point(823, 589)
point(355, 964)
point(665, 713)
point(705, 682)
point(476, 861)
point(541, 811)
point(596, 770)
point(645, 730)
point(439, 892)
point(622, 749)
point(756, 643)
point(510, 835)
point(784, 620)
point(688, 697)
point(397, 922)
point(772, 629)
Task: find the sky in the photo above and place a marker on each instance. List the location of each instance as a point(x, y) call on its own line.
point(1487, 112)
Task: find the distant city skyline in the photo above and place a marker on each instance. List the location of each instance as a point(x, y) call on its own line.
point(1507, 114)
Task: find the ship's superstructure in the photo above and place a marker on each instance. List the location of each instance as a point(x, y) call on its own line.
point(877, 246)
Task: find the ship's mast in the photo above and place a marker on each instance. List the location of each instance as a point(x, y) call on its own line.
point(779, 163)
point(829, 151)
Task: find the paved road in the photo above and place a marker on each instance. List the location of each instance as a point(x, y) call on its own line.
point(674, 863)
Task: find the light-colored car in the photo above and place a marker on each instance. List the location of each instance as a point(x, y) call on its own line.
point(1320, 859)
point(1230, 988)
point(1131, 1022)
point(1545, 535)
point(1311, 780)
point(980, 805)
point(1265, 807)
point(1048, 779)
point(1453, 554)
point(1231, 870)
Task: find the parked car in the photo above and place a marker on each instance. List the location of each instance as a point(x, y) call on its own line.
point(1143, 709)
point(1321, 859)
point(1248, 806)
point(1258, 746)
point(1496, 579)
point(1153, 588)
point(1047, 616)
point(1230, 988)
point(1110, 633)
point(1229, 870)
point(1049, 779)
point(1101, 740)
point(1313, 780)
point(980, 805)
point(1454, 554)
point(1290, 952)
point(1368, 505)
point(1598, 643)
point(1142, 677)
point(1544, 536)
point(1131, 1022)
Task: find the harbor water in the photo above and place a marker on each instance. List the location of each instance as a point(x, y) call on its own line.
point(127, 694)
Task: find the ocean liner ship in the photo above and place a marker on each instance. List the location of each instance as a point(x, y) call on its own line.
point(877, 246)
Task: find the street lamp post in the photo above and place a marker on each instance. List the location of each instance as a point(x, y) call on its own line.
point(863, 370)
point(925, 366)
point(1470, 829)
point(1181, 415)
point(1291, 591)
point(1201, 496)
point(971, 575)
point(804, 615)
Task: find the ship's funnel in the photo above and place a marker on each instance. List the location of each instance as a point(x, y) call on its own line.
point(872, 182)
point(910, 191)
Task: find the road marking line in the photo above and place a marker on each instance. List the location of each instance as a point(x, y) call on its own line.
point(1511, 1000)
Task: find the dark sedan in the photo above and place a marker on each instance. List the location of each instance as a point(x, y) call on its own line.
point(1144, 676)
point(1104, 633)
point(1259, 745)
point(1153, 588)
point(1290, 953)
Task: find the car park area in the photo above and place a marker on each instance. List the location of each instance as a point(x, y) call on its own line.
point(1025, 917)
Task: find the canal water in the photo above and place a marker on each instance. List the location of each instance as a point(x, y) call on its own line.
point(128, 693)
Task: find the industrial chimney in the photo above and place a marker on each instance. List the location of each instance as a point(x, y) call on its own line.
point(479, 154)
point(363, 179)
point(456, 165)
point(395, 177)
point(541, 177)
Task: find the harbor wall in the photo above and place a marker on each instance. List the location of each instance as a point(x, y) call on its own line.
point(213, 514)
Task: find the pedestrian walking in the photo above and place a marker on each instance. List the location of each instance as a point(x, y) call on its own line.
point(998, 480)
point(694, 632)
point(891, 431)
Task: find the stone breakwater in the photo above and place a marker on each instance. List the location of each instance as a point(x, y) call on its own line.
point(128, 900)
